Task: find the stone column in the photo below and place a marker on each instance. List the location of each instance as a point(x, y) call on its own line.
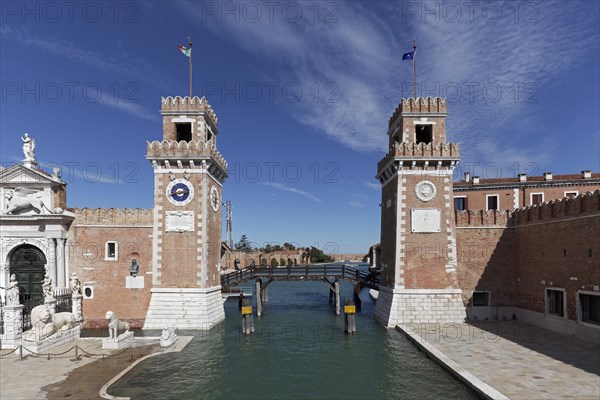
point(52, 269)
point(62, 263)
point(13, 326)
point(76, 310)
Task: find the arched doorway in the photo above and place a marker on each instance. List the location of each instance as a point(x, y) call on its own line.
point(28, 263)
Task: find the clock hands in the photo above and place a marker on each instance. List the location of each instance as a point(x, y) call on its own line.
point(179, 192)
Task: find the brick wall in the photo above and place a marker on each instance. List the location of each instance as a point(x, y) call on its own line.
point(517, 256)
point(557, 246)
point(486, 255)
point(131, 230)
point(388, 231)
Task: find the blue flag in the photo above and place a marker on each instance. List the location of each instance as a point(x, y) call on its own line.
point(408, 56)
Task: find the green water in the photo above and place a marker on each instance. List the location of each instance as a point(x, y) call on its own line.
point(299, 351)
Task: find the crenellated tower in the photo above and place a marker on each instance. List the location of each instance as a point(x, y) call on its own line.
point(189, 173)
point(418, 242)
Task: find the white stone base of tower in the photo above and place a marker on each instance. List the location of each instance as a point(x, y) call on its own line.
point(415, 306)
point(180, 308)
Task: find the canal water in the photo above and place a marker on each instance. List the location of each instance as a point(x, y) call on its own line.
point(299, 351)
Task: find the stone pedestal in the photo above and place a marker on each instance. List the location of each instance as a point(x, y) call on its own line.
point(414, 306)
point(181, 308)
point(123, 340)
point(76, 307)
point(56, 339)
point(13, 326)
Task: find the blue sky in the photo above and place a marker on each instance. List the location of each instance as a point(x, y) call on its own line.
point(303, 92)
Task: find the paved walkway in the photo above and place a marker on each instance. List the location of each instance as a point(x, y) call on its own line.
point(24, 379)
point(520, 361)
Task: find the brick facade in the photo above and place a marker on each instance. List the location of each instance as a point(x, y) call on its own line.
point(131, 231)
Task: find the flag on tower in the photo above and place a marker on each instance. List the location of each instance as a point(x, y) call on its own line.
point(185, 50)
point(408, 56)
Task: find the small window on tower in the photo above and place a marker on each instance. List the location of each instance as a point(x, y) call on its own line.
point(423, 134)
point(184, 132)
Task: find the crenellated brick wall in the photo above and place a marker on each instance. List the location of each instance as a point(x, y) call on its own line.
point(517, 255)
point(112, 216)
point(482, 218)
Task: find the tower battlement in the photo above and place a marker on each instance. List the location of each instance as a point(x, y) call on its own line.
point(419, 105)
point(188, 105)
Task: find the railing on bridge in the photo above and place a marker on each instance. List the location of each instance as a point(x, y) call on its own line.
point(306, 272)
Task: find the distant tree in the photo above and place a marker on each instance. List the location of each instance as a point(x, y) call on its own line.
point(289, 246)
point(274, 262)
point(281, 261)
point(268, 248)
point(317, 256)
point(289, 262)
point(277, 248)
point(243, 244)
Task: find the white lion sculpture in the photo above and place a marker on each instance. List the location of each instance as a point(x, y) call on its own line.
point(44, 323)
point(64, 320)
point(114, 325)
point(41, 324)
point(22, 198)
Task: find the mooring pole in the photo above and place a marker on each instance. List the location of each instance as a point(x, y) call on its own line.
point(336, 284)
point(247, 318)
point(265, 297)
point(258, 297)
point(330, 296)
point(349, 321)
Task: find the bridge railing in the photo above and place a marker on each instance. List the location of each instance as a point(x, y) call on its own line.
point(309, 272)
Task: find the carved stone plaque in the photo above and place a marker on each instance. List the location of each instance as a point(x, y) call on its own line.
point(425, 220)
point(179, 221)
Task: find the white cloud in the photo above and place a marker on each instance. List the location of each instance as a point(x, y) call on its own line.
point(373, 185)
point(130, 108)
point(357, 204)
point(361, 54)
point(127, 64)
point(291, 190)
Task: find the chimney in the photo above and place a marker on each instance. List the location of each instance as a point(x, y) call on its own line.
point(467, 177)
point(522, 177)
point(547, 176)
point(586, 174)
point(475, 180)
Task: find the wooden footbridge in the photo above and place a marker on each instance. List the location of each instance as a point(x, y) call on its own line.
point(330, 274)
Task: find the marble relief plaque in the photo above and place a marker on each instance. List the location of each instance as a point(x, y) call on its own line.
point(179, 221)
point(425, 220)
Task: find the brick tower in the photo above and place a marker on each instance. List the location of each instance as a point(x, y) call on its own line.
point(418, 242)
point(188, 176)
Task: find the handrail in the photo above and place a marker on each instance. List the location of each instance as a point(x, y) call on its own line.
point(307, 271)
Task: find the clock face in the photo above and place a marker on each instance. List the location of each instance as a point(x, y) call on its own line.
point(215, 201)
point(180, 192)
point(425, 190)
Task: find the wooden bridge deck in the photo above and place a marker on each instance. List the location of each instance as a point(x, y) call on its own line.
point(304, 272)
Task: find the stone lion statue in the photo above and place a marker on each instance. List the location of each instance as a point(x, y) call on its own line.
point(23, 198)
point(64, 320)
point(41, 324)
point(114, 325)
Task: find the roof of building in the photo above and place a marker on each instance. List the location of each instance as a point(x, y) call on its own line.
point(566, 179)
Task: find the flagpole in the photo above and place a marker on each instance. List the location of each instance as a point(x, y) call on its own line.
point(190, 44)
point(415, 70)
